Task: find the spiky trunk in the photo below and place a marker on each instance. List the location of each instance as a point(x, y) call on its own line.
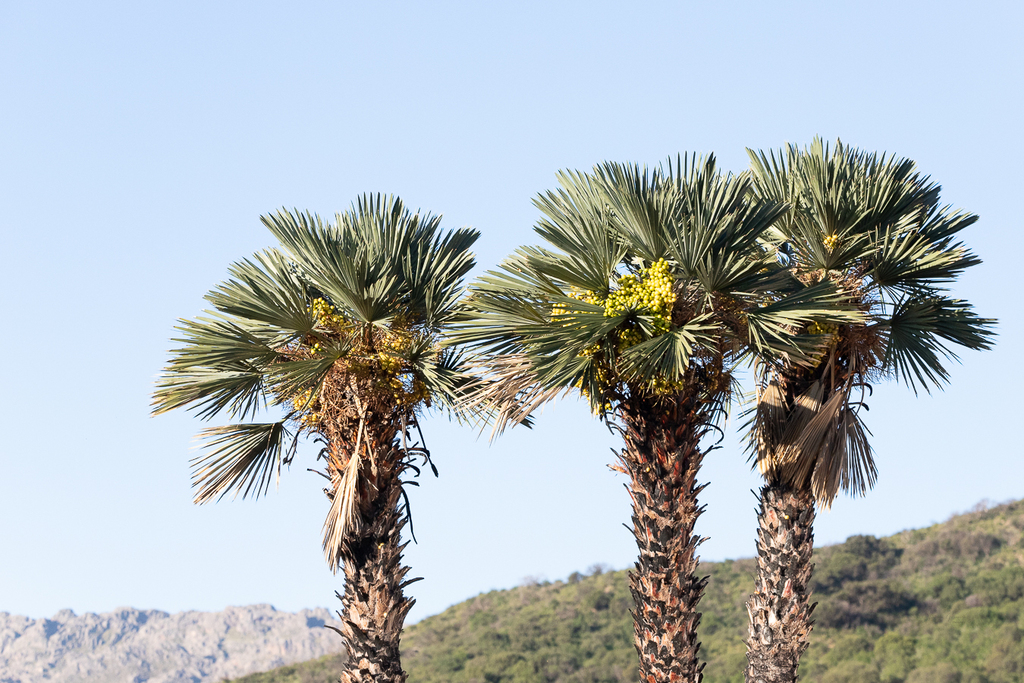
point(662, 457)
point(374, 606)
point(779, 609)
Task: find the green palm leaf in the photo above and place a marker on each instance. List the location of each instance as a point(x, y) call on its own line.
point(243, 458)
point(265, 290)
point(211, 391)
point(916, 331)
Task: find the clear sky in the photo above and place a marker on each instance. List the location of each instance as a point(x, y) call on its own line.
point(141, 142)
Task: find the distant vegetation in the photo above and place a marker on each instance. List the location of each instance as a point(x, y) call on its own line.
point(943, 604)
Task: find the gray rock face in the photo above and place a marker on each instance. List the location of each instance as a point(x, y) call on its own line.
point(132, 646)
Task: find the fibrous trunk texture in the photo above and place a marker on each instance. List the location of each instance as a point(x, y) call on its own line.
point(662, 457)
point(779, 609)
point(374, 605)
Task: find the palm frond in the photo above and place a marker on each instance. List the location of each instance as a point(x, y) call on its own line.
point(668, 355)
point(338, 265)
point(265, 290)
point(641, 205)
point(446, 378)
point(379, 259)
point(775, 328)
point(577, 222)
point(916, 331)
point(847, 461)
point(294, 378)
point(907, 259)
point(243, 458)
point(217, 341)
point(209, 391)
point(506, 392)
point(343, 517)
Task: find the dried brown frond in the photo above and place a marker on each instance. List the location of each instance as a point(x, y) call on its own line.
point(808, 429)
point(507, 392)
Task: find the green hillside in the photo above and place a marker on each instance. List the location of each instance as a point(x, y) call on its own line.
point(943, 604)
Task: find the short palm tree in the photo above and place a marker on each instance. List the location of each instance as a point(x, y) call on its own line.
point(338, 333)
point(653, 284)
point(872, 226)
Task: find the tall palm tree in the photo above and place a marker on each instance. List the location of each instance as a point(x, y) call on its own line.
point(651, 287)
point(338, 333)
point(873, 226)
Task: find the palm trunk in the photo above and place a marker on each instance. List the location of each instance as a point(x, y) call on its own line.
point(662, 458)
point(373, 606)
point(780, 616)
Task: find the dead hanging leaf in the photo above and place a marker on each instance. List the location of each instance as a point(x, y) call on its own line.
point(343, 518)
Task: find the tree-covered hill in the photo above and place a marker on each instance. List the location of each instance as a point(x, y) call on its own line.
point(943, 604)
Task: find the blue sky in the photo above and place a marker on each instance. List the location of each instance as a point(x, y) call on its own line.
point(141, 143)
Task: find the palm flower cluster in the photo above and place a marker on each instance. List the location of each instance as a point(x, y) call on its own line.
point(647, 292)
point(817, 328)
point(379, 355)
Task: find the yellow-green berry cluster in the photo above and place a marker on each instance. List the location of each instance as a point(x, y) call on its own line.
point(379, 356)
point(820, 328)
point(324, 315)
point(831, 241)
point(309, 416)
point(648, 292)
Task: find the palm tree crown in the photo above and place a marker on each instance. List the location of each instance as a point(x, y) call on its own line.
point(873, 226)
point(655, 282)
point(339, 329)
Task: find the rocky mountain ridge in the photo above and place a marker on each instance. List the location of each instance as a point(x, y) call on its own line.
point(136, 646)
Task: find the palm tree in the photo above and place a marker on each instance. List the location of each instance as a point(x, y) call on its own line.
point(651, 287)
point(872, 226)
point(338, 333)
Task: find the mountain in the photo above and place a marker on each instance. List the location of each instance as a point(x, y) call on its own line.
point(943, 604)
point(132, 646)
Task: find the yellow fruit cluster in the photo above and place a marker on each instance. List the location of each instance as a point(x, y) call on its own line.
point(309, 416)
point(377, 355)
point(831, 241)
point(660, 386)
point(324, 315)
point(819, 328)
point(408, 390)
point(391, 346)
point(649, 291)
